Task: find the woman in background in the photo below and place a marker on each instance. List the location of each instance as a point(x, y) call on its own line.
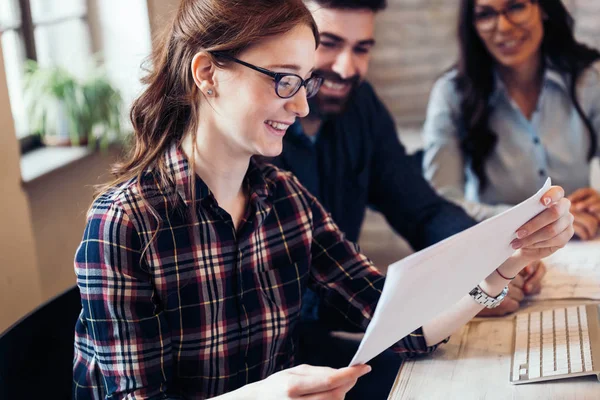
point(521, 104)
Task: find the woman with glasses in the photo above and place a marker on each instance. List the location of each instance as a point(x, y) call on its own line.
point(195, 258)
point(521, 104)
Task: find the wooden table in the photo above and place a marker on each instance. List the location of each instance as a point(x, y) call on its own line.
point(475, 364)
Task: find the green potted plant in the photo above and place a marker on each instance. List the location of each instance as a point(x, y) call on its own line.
point(66, 111)
point(101, 109)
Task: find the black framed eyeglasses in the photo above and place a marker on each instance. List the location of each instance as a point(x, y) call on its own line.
point(286, 84)
point(518, 13)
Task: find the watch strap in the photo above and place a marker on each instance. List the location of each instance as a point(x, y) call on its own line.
point(486, 300)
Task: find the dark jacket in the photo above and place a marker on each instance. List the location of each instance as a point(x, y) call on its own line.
point(356, 161)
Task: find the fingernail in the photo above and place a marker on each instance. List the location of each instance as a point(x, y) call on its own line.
point(547, 200)
point(528, 287)
point(516, 244)
point(521, 234)
point(368, 369)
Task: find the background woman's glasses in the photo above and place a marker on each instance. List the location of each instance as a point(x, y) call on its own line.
point(518, 13)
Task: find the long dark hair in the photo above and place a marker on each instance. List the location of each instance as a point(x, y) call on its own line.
point(373, 5)
point(475, 77)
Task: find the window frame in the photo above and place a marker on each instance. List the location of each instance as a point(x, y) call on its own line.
point(26, 28)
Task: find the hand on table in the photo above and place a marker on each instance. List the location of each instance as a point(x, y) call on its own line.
point(585, 224)
point(585, 206)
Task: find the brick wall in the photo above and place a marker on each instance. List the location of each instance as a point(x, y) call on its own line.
point(416, 42)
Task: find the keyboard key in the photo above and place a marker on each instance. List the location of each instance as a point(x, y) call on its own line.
point(562, 371)
point(550, 373)
point(576, 367)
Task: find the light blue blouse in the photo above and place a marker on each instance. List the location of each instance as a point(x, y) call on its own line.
point(554, 143)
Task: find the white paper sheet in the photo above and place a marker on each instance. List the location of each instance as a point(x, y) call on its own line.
point(423, 285)
point(573, 273)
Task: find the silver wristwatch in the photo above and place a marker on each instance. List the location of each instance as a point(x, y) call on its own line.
point(484, 299)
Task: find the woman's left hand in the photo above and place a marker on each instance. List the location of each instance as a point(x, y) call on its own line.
point(586, 200)
point(585, 224)
point(533, 275)
point(548, 231)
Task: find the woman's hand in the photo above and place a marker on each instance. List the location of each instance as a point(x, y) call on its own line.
point(547, 232)
point(308, 383)
point(527, 282)
point(541, 236)
point(532, 277)
point(585, 206)
point(586, 200)
point(585, 225)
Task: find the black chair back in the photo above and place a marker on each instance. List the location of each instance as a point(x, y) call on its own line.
point(36, 353)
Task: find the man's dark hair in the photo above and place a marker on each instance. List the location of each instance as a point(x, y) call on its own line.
point(373, 5)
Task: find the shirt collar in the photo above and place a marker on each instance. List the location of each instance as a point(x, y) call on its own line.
point(260, 188)
point(554, 76)
point(551, 76)
point(296, 128)
point(298, 132)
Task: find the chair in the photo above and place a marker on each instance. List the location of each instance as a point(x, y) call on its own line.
point(36, 353)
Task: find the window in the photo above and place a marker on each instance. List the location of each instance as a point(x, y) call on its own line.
point(51, 32)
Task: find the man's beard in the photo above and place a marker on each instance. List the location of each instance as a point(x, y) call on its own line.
point(322, 106)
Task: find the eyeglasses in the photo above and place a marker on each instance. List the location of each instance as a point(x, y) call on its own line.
point(518, 13)
point(286, 85)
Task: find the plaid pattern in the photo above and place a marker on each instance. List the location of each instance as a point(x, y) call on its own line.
point(200, 309)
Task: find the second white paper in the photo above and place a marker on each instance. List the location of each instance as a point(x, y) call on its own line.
point(423, 285)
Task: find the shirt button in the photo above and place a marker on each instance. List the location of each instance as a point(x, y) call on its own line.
point(536, 140)
point(542, 173)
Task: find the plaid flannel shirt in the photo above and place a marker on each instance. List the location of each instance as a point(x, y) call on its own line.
point(202, 309)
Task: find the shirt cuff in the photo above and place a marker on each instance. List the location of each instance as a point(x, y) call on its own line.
point(414, 345)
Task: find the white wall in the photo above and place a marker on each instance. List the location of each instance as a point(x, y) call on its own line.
point(121, 33)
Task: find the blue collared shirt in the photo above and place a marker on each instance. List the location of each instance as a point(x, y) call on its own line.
point(554, 142)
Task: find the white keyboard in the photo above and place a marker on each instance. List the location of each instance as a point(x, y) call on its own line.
point(552, 344)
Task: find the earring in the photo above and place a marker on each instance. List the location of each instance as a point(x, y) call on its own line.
point(209, 92)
